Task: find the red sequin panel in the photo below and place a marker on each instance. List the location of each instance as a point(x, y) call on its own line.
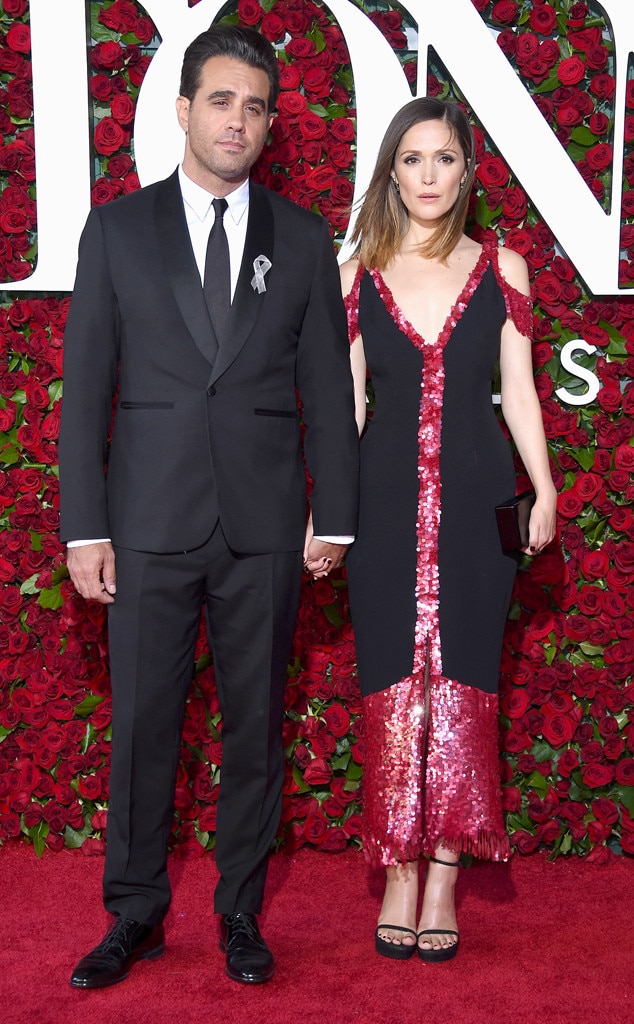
point(451, 794)
point(519, 307)
point(351, 303)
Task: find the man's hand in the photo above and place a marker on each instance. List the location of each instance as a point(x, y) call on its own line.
point(320, 556)
point(92, 570)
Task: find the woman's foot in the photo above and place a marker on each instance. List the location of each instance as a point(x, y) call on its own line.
point(395, 935)
point(438, 928)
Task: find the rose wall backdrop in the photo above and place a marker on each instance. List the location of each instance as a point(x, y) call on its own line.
point(567, 722)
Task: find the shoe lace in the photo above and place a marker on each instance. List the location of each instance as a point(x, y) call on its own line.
point(242, 926)
point(117, 941)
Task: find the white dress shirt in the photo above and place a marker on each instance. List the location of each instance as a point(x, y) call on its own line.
point(200, 216)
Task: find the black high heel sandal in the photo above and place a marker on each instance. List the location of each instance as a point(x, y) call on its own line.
point(435, 956)
point(395, 950)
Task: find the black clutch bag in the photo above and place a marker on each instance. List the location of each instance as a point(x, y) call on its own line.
point(513, 517)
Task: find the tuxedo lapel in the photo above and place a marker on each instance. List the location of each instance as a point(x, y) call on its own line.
point(183, 274)
point(247, 301)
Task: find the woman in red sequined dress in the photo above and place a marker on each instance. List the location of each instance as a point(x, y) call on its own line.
point(431, 313)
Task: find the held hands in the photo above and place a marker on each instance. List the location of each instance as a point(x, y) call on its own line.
point(92, 570)
point(541, 526)
point(319, 555)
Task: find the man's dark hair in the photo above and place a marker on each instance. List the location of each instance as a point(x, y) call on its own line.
point(240, 43)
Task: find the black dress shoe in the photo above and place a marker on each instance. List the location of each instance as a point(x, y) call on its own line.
point(126, 942)
point(249, 959)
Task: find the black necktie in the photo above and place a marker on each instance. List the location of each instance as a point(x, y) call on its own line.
point(217, 281)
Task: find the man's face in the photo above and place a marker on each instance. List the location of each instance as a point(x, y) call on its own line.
point(226, 124)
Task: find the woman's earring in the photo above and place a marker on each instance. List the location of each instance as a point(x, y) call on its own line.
point(396, 184)
point(462, 181)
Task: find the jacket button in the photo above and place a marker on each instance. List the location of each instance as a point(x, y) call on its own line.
point(211, 391)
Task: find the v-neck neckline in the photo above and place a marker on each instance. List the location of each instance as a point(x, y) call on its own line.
point(455, 312)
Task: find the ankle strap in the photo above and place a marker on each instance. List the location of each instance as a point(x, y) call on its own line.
point(447, 863)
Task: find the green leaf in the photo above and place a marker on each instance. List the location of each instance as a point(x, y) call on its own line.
point(583, 136)
point(483, 214)
point(10, 455)
point(549, 85)
point(29, 586)
point(590, 650)
point(340, 763)
point(73, 839)
point(51, 598)
point(88, 705)
point(333, 615)
point(99, 32)
point(38, 834)
point(55, 390)
point(542, 751)
point(626, 796)
point(537, 781)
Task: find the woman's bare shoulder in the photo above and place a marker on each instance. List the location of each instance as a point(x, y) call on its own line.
point(348, 271)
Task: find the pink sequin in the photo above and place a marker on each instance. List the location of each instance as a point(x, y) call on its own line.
point(458, 802)
point(519, 307)
point(432, 779)
point(351, 303)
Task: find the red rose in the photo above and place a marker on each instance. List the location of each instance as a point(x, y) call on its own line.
point(624, 457)
point(602, 86)
point(318, 772)
point(600, 156)
point(524, 842)
point(317, 84)
point(337, 720)
point(543, 19)
point(342, 129)
point(109, 136)
point(15, 8)
point(568, 763)
point(289, 76)
point(312, 126)
point(18, 38)
point(300, 48)
point(292, 104)
point(315, 827)
point(272, 27)
point(108, 55)
point(123, 108)
point(571, 70)
point(594, 565)
point(505, 11)
point(493, 172)
point(249, 12)
point(597, 775)
point(120, 16)
point(558, 729)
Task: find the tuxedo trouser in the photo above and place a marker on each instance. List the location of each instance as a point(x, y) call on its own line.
point(251, 605)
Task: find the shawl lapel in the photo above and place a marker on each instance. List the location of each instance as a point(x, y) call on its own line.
point(182, 272)
point(247, 302)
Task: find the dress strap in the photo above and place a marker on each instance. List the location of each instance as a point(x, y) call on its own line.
point(351, 303)
point(519, 307)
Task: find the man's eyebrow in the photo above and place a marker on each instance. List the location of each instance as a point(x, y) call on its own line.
point(228, 93)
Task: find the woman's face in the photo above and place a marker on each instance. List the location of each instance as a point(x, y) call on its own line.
point(428, 166)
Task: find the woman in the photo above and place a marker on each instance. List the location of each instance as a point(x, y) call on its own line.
point(430, 313)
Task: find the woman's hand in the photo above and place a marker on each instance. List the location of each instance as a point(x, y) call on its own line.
point(542, 523)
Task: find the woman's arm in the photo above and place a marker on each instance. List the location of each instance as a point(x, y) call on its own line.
point(357, 354)
point(522, 411)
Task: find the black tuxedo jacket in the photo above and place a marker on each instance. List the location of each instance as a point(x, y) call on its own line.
point(200, 431)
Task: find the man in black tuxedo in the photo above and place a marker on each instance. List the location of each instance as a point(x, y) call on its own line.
point(207, 333)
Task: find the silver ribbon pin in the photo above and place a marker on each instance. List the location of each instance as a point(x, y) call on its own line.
point(261, 265)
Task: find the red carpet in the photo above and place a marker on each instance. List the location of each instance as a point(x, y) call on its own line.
point(541, 944)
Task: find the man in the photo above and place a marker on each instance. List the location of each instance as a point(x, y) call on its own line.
point(204, 496)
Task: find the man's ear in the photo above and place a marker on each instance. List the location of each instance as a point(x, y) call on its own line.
point(182, 112)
